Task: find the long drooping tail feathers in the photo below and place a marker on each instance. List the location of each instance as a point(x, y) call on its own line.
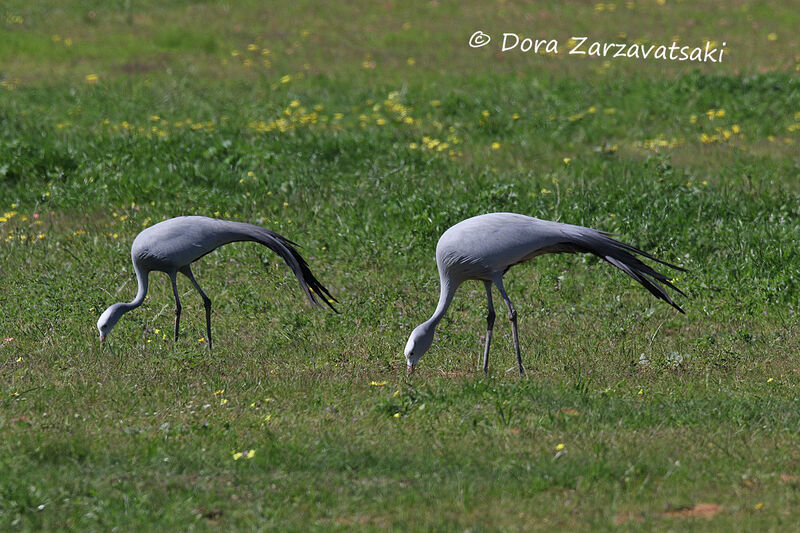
point(286, 249)
point(619, 254)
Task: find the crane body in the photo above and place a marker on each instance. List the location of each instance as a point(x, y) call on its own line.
point(172, 245)
point(485, 247)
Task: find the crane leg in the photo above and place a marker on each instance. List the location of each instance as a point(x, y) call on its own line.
point(512, 316)
point(174, 279)
point(187, 271)
point(489, 326)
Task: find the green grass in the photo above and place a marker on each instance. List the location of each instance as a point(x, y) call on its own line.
point(631, 414)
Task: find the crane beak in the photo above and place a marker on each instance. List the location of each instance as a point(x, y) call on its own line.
point(410, 369)
point(102, 339)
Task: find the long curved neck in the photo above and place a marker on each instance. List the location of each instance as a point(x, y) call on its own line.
point(141, 278)
point(446, 293)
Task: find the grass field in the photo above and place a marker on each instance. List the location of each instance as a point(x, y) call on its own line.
point(363, 133)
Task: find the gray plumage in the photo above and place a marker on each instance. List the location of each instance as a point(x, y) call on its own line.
point(173, 245)
point(486, 246)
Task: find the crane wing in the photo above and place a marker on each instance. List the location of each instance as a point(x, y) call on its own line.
point(621, 255)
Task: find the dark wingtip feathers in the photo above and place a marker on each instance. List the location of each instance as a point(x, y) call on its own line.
point(621, 256)
point(314, 285)
point(314, 289)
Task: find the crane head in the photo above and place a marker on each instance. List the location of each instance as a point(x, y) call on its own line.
point(418, 343)
point(108, 320)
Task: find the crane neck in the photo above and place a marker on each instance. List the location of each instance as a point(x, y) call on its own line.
point(141, 278)
point(446, 292)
